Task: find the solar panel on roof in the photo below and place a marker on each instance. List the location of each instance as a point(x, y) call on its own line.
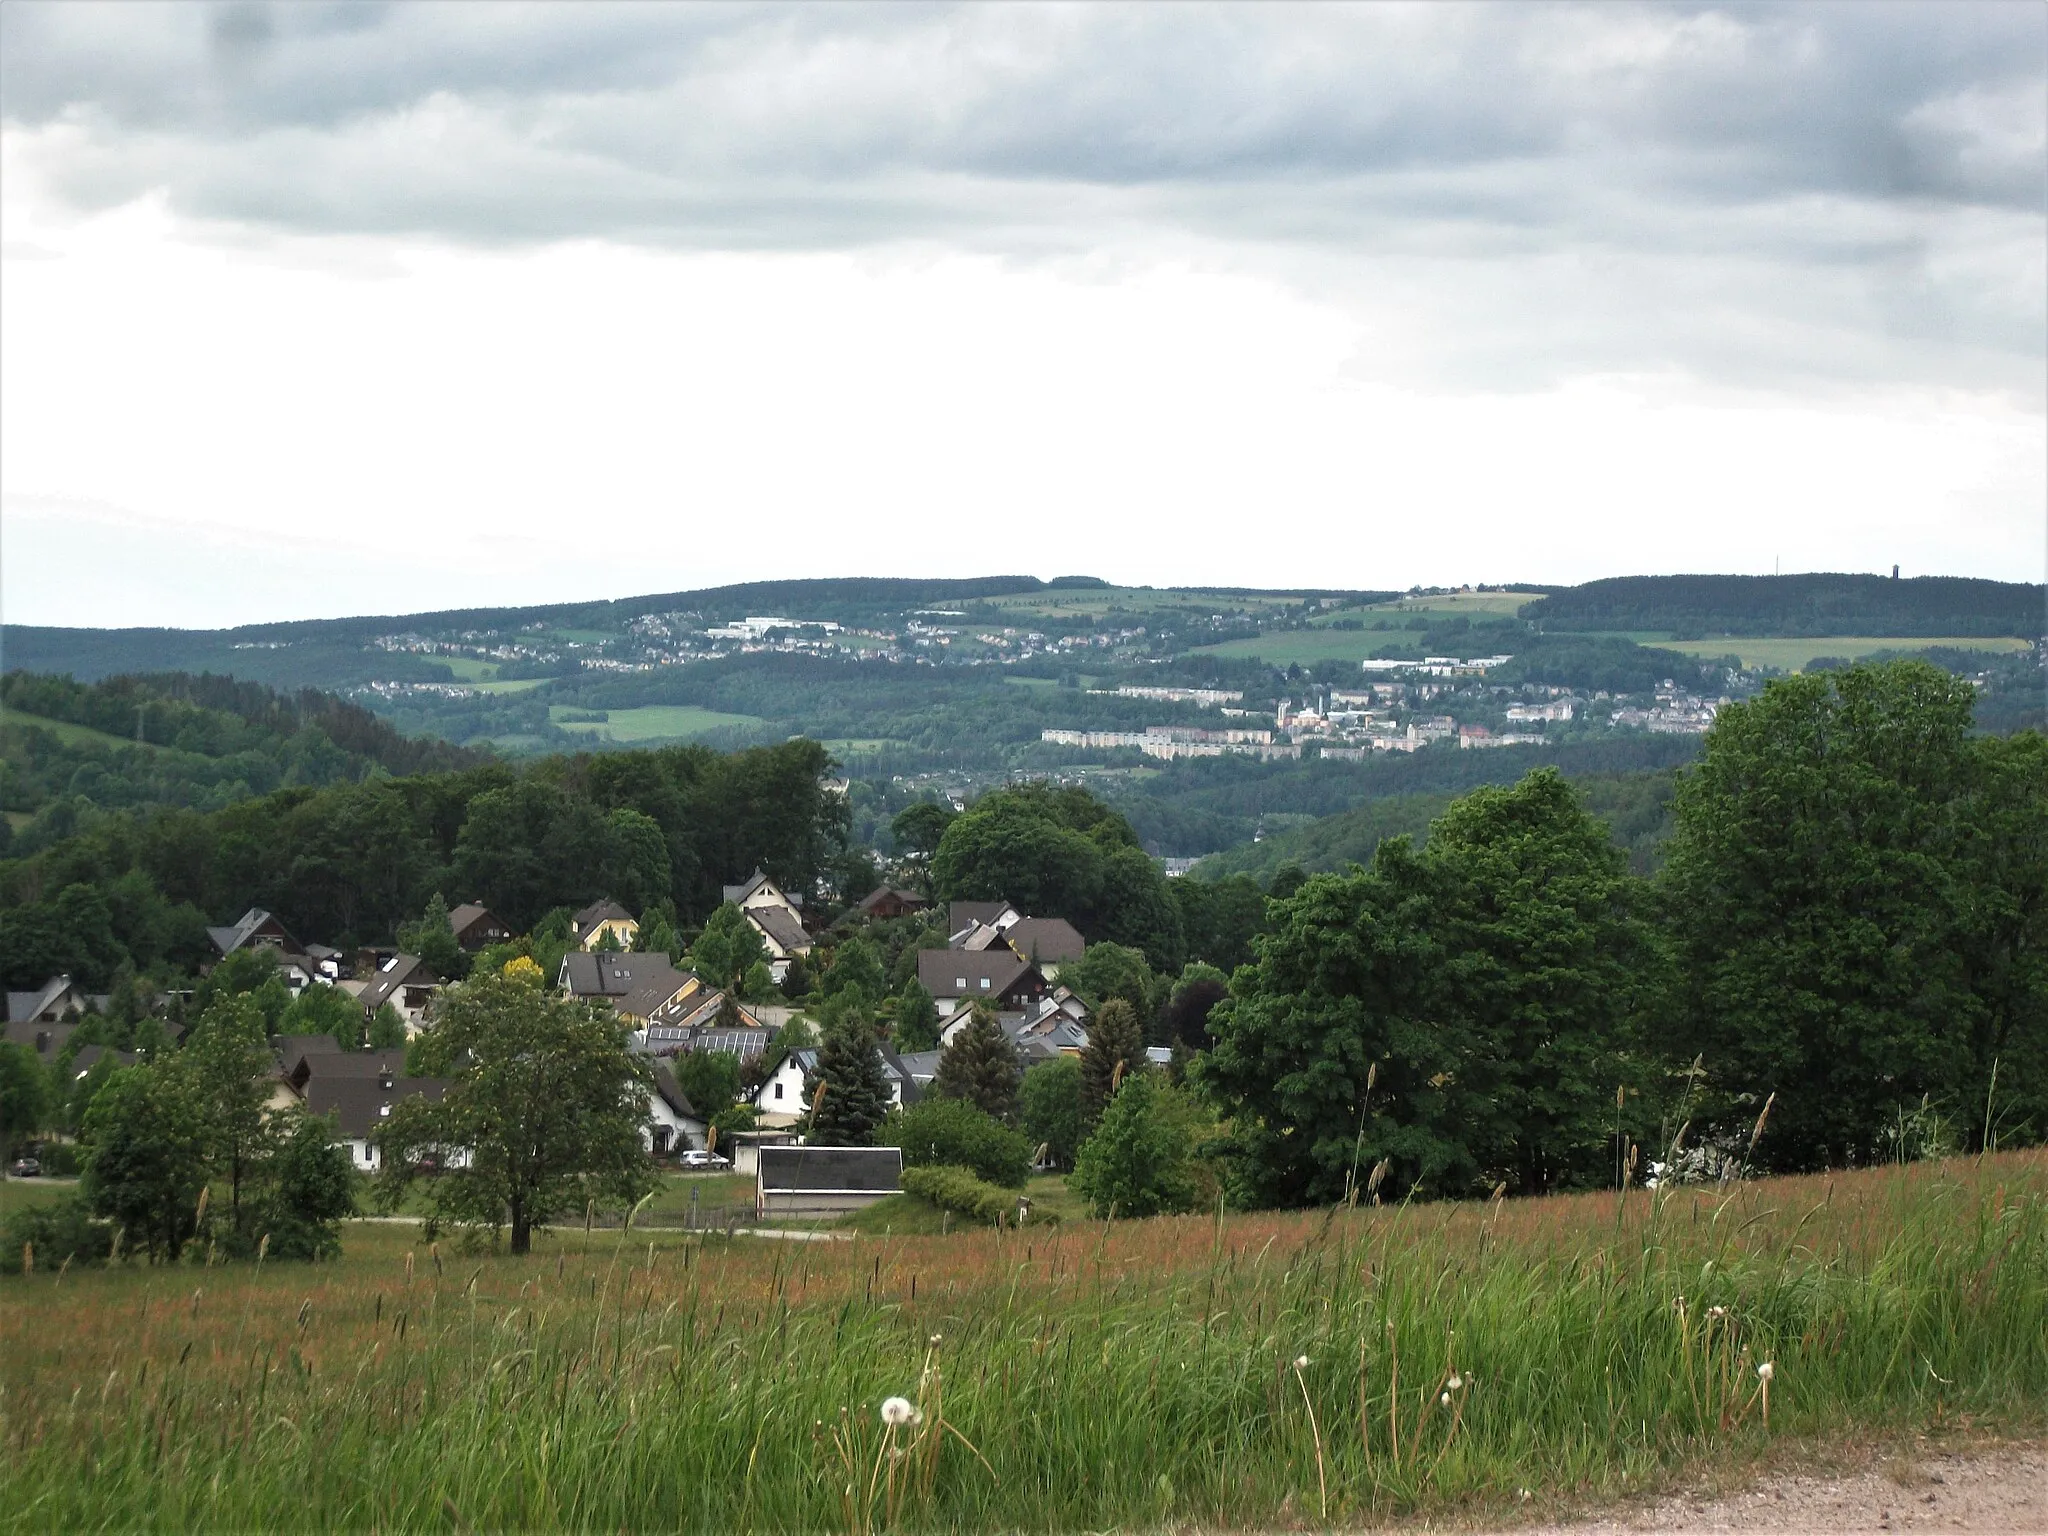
point(821, 1169)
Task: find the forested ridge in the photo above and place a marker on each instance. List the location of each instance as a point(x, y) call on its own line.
point(1806, 604)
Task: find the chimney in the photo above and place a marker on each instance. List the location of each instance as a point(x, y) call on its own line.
point(1895, 573)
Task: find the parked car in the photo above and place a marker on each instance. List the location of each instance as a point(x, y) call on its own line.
point(26, 1168)
point(698, 1160)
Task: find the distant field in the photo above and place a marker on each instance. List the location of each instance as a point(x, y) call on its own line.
point(1303, 646)
point(509, 685)
point(1094, 602)
point(653, 722)
point(1470, 605)
point(65, 731)
point(470, 669)
point(1791, 655)
point(860, 744)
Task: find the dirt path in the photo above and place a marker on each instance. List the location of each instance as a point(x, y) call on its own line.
point(1997, 1490)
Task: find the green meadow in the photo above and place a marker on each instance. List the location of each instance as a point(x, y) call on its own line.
point(1261, 1370)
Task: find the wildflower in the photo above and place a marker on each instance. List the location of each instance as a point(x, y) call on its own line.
point(1301, 1362)
point(899, 1411)
point(1766, 1371)
point(1457, 1383)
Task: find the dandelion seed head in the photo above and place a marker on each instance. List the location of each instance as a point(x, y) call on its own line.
point(936, 1337)
point(1717, 1311)
point(1457, 1383)
point(1301, 1362)
point(1766, 1370)
point(899, 1411)
point(1445, 1399)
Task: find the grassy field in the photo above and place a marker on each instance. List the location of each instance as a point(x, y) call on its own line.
point(1450, 605)
point(73, 735)
point(1273, 1370)
point(1095, 602)
point(470, 669)
point(653, 722)
point(1306, 646)
point(1791, 655)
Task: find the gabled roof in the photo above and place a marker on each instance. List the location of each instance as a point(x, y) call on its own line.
point(1049, 940)
point(88, 1055)
point(616, 973)
point(962, 915)
point(962, 972)
point(592, 917)
point(781, 928)
point(23, 1007)
point(292, 1048)
point(469, 914)
point(884, 895)
point(317, 1065)
point(231, 938)
point(399, 971)
point(654, 993)
point(671, 1092)
point(667, 1039)
point(738, 894)
point(357, 1103)
point(46, 1040)
point(979, 937)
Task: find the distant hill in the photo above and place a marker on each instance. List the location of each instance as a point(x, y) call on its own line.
point(1694, 607)
point(327, 653)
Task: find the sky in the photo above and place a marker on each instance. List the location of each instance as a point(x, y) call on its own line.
point(321, 309)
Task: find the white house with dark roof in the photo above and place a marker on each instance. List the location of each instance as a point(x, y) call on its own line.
point(407, 984)
point(998, 976)
point(360, 1104)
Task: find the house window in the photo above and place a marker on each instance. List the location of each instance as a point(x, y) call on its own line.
point(778, 1090)
point(984, 983)
point(960, 982)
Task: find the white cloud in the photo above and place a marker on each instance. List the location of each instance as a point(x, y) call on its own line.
point(314, 310)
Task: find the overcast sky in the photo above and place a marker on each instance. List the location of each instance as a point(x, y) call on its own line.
point(320, 309)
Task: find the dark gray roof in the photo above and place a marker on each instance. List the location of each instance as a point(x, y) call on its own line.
point(881, 894)
point(231, 938)
point(358, 1102)
point(820, 1169)
point(400, 971)
point(606, 911)
point(781, 926)
point(1050, 940)
point(614, 973)
point(470, 914)
point(672, 1093)
point(962, 915)
point(46, 1040)
point(82, 1063)
point(23, 1007)
point(291, 1049)
point(962, 972)
point(747, 887)
point(922, 1066)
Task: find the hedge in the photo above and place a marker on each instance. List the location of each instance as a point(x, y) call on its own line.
point(957, 1189)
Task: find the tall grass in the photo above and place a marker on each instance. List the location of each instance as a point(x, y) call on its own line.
point(1251, 1369)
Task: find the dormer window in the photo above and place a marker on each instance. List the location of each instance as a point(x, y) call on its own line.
point(984, 983)
point(384, 1111)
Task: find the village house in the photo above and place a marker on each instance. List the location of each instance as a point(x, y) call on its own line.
point(360, 1104)
point(57, 1000)
point(590, 926)
point(642, 986)
point(300, 965)
point(673, 1122)
point(999, 976)
point(784, 1098)
point(887, 901)
point(476, 926)
point(775, 917)
point(407, 984)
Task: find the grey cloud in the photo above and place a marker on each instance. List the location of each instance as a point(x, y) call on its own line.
point(1863, 173)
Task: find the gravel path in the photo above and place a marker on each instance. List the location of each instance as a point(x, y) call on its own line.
point(1997, 1490)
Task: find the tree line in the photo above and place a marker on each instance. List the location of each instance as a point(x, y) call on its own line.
point(348, 863)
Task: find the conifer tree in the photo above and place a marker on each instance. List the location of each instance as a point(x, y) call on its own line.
point(1115, 1039)
point(980, 1066)
point(849, 1076)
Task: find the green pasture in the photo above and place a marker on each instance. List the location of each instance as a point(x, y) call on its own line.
point(651, 722)
point(73, 735)
point(1469, 1362)
point(1099, 602)
point(1794, 654)
point(1303, 647)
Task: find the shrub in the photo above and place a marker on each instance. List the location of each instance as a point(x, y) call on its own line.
point(1050, 1102)
point(957, 1189)
point(61, 1229)
point(1137, 1162)
point(940, 1132)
